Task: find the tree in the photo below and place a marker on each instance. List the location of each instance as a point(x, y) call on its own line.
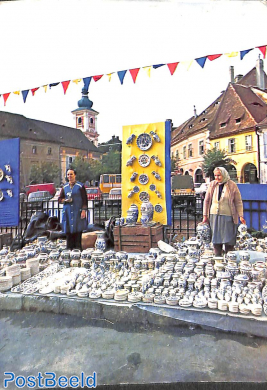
point(82, 168)
point(216, 158)
point(174, 163)
point(47, 172)
point(111, 162)
point(95, 168)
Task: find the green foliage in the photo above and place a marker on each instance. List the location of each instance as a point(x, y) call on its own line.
point(95, 169)
point(215, 158)
point(111, 162)
point(174, 163)
point(82, 168)
point(47, 172)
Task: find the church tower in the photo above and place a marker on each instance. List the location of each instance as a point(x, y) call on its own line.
point(85, 118)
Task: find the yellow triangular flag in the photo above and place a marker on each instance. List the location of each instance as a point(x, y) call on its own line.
point(17, 92)
point(148, 70)
point(109, 76)
point(187, 64)
point(76, 81)
point(45, 87)
point(233, 54)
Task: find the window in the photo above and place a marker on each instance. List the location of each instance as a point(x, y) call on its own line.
point(190, 126)
point(201, 147)
point(217, 145)
point(106, 178)
point(49, 151)
point(184, 152)
point(118, 178)
point(80, 120)
point(190, 150)
point(238, 120)
point(172, 156)
point(231, 145)
point(223, 124)
point(34, 149)
point(91, 120)
point(177, 154)
point(248, 142)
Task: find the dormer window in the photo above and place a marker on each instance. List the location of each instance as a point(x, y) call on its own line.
point(238, 120)
point(216, 104)
point(190, 126)
point(256, 104)
point(223, 124)
point(203, 120)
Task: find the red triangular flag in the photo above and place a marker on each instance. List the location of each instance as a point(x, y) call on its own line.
point(214, 56)
point(65, 85)
point(5, 96)
point(34, 90)
point(134, 73)
point(96, 78)
point(263, 50)
point(172, 67)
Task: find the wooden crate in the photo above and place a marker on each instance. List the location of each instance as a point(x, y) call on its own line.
point(137, 238)
point(5, 239)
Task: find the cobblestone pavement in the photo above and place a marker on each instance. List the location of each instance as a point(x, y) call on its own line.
point(68, 345)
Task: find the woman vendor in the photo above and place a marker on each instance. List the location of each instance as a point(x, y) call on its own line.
point(222, 208)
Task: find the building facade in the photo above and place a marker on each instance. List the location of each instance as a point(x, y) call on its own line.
point(231, 123)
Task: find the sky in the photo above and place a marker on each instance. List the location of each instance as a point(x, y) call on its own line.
point(49, 41)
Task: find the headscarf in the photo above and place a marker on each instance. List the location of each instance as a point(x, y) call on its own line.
point(225, 174)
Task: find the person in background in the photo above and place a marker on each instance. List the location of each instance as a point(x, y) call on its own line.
point(221, 209)
point(73, 196)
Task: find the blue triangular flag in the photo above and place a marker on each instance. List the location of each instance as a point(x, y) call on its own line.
point(158, 66)
point(87, 81)
point(201, 61)
point(121, 75)
point(243, 53)
point(53, 85)
point(25, 94)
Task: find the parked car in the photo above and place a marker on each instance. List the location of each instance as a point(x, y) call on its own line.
point(50, 187)
point(39, 196)
point(202, 189)
point(93, 193)
point(114, 196)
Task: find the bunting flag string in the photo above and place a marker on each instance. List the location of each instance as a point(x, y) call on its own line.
point(134, 72)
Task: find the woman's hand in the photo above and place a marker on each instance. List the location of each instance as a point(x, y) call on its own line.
point(205, 219)
point(83, 214)
point(242, 220)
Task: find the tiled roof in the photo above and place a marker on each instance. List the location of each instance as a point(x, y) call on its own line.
point(69, 136)
point(250, 79)
point(18, 126)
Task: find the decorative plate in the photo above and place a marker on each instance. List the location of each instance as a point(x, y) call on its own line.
point(158, 208)
point(1, 195)
point(144, 160)
point(144, 141)
point(136, 189)
point(1, 174)
point(152, 187)
point(144, 196)
point(143, 179)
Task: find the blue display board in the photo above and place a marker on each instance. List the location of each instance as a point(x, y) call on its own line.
point(9, 182)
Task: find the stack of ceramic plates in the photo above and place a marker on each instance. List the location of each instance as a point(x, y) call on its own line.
point(222, 305)
point(159, 299)
point(5, 283)
point(233, 307)
point(148, 297)
point(185, 302)
point(83, 292)
point(135, 297)
point(25, 273)
point(256, 309)
point(108, 294)
point(13, 270)
point(244, 309)
point(16, 279)
point(200, 303)
point(212, 303)
point(33, 264)
point(95, 294)
point(121, 295)
point(172, 300)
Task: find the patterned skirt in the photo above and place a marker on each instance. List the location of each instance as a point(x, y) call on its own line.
point(223, 229)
